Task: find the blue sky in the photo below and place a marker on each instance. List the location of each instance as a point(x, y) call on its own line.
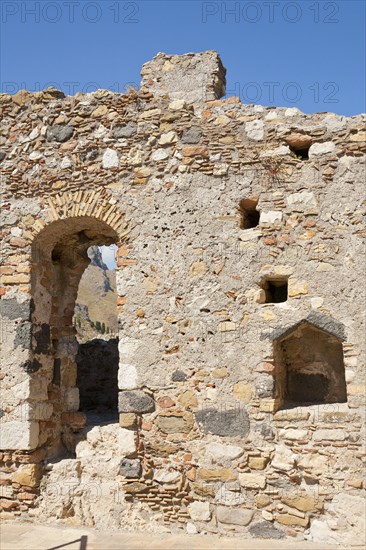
point(308, 54)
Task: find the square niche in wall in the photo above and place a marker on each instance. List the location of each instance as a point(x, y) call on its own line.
point(276, 290)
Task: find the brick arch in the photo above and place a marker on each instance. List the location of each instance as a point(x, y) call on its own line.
point(97, 204)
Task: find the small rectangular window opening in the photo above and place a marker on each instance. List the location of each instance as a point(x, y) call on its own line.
point(249, 215)
point(276, 290)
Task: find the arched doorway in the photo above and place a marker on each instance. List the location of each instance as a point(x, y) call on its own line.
point(59, 255)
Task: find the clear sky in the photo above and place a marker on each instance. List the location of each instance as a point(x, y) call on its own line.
point(309, 54)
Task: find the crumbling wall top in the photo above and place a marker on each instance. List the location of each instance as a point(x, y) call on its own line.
point(193, 77)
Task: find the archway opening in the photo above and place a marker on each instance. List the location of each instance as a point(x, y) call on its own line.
point(95, 320)
point(60, 257)
point(309, 367)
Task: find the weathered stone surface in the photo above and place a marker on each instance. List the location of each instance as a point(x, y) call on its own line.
point(199, 511)
point(19, 435)
point(165, 171)
point(127, 420)
point(252, 481)
point(243, 392)
point(284, 459)
point(258, 462)
point(192, 135)
point(188, 399)
point(174, 424)
point(59, 132)
point(288, 519)
point(306, 503)
point(163, 475)
point(179, 376)
point(265, 530)
point(130, 468)
point(318, 149)
point(236, 516)
point(221, 452)
point(135, 401)
point(12, 309)
point(110, 159)
point(226, 423)
point(28, 474)
point(125, 131)
point(216, 474)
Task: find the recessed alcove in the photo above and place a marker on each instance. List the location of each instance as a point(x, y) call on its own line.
point(309, 367)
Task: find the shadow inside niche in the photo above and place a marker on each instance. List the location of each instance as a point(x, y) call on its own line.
point(97, 380)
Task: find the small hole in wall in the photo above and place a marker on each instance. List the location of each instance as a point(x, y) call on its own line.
point(249, 215)
point(276, 290)
point(301, 152)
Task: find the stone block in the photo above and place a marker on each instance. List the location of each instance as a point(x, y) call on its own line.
point(294, 434)
point(219, 452)
point(12, 309)
point(329, 435)
point(188, 399)
point(288, 519)
point(284, 459)
point(226, 423)
point(130, 468)
point(171, 424)
point(258, 462)
point(17, 435)
point(243, 392)
point(127, 442)
point(59, 133)
point(318, 149)
point(306, 503)
point(28, 474)
point(216, 474)
point(135, 401)
point(234, 516)
point(163, 475)
point(71, 400)
point(110, 159)
point(199, 511)
point(127, 420)
point(270, 217)
point(265, 530)
point(126, 131)
point(252, 481)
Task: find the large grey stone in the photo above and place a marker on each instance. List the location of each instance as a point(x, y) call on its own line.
point(135, 401)
point(227, 423)
point(124, 131)
point(11, 309)
point(234, 516)
point(192, 135)
point(265, 530)
point(43, 338)
point(23, 336)
point(59, 132)
point(130, 468)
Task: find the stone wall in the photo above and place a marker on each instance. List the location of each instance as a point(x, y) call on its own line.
point(207, 438)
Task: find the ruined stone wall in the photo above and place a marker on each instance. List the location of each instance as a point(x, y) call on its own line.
point(207, 432)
